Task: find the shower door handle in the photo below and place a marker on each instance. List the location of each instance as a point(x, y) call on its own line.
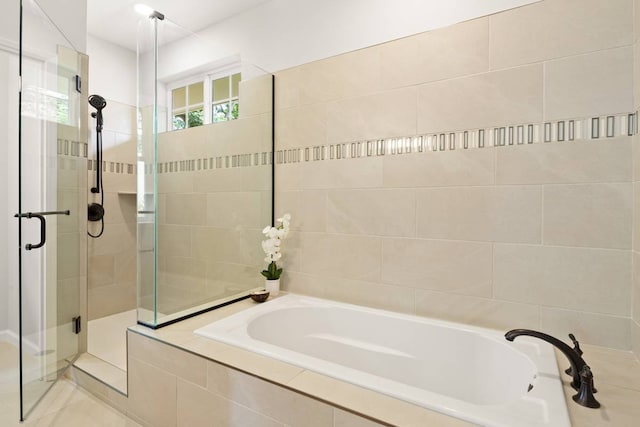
point(43, 225)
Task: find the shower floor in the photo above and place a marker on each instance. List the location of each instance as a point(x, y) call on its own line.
point(107, 338)
point(106, 357)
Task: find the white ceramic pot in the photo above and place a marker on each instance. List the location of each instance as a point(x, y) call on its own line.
point(273, 286)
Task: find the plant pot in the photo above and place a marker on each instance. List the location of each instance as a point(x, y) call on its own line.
point(273, 286)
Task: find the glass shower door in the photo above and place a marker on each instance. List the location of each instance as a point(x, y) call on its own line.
point(50, 213)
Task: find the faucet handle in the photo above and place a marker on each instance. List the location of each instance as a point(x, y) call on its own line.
point(585, 395)
point(576, 348)
point(576, 344)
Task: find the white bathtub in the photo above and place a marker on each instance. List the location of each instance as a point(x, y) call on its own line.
point(463, 371)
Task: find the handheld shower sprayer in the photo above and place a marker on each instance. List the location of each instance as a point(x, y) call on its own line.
point(96, 210)
point(98, 102)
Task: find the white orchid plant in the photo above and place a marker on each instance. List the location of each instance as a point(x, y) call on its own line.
point(271, 246)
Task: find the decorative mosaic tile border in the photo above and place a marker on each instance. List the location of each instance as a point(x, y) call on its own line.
point(113, 167)
point(561, 131)
point(523, 134)
point(219, 162)
point(72, 148)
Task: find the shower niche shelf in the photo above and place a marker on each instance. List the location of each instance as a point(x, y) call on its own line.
point(131, 193)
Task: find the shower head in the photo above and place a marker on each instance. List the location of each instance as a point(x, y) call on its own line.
point(97, 102)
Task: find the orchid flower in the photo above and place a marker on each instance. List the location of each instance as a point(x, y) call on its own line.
point(271, 246)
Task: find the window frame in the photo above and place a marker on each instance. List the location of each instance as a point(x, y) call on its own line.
point(207, 78)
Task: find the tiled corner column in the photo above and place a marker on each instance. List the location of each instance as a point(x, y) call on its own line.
point(171, 387)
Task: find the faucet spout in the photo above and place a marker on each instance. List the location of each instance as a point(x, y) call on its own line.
point(575, 360)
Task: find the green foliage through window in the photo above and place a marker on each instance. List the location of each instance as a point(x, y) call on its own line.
point(190, 101)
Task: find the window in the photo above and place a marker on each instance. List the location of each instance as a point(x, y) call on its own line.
point(188, 106)
point(209, 99)
point(224, 97)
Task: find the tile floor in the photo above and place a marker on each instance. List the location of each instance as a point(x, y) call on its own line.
point(65, 405)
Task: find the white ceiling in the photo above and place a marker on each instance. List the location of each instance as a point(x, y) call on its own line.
point(117, 21)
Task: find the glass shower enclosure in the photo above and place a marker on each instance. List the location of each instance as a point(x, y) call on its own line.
point(205, 175)
point(44, 199)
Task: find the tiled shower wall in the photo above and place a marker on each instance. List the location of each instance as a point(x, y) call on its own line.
point(112, 256)
point(480, 173)
point(635, 324)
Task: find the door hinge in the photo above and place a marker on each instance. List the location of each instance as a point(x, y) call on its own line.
point(78, 80)
point(77, 324)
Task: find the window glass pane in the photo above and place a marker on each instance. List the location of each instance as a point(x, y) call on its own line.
point(235, 109)
point(235, 82)
point(196, 118)
point(179, 121)
point(179, 98)
point(220, 89)
point(196, 93)
point(220, 112)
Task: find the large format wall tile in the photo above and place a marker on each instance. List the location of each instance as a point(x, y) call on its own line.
point(174, 240)
point(198, 407)
point(571, 162)
point(152, 394)
point(121, 208)
point(238, 246)
point(590, 215)
point(255, 95)
point(501, 214)
point(268, 399)
point(308, 207)
point(484, 100)
point(635, 144)
point(372, 212)
point(349, 257)
point(102, 271)
point(440, 169)
point(186, 209)
point(441, 54)
point(388, 297)
point(304, 126)
point(485, 312)
point(237, 209)
point(589, 328)
point(635, 308)
point(116, 238)
point(594, 280)
point(556, 28)
point(207, 181)
point(635, 338)
point(168, 358)
point(440, 265)
point(343, 76)
point(110, 299)
point(353, 173)
point(175, 183)
point(385, 114)
point(594, 84)
point(636, 217)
